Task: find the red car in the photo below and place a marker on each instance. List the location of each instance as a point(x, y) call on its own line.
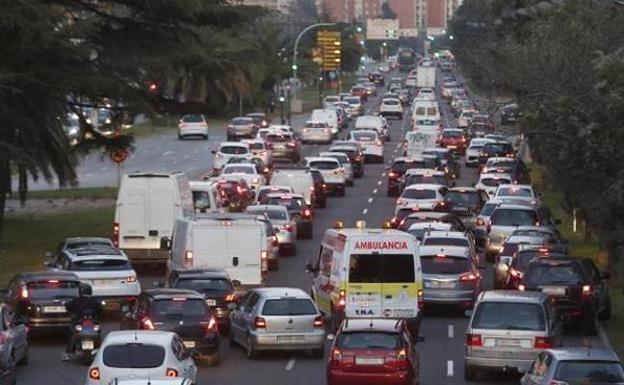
point(454, 139)
point(373, 352)
point(359, 91)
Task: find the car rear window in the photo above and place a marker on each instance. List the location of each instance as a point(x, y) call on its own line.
point(391, 102)
point(589, 372)
point(363, 136)
point(324, 165)
point(470, 197)
point(205, 285)
point(242, 121)
point(133, 355)
point(272, 214)
point(193, 119)
point(509, 249)
point(433, 264)
point(419, 194)
point(452, 134)
point(52, 289)
point(514, 192)
point(179, 308)
point(553, 274)
point(508, 316)
point(256, 146)
point(426, 122)
point(239, 170)
point(233, 150)
point(420, 179)
point(513, 217)
point(288, 307)
point(446, 241)
point(381, 268)
point(369, 340)
point(100, 264)
point(290, 203)
point(316, 125)
point(495, 181)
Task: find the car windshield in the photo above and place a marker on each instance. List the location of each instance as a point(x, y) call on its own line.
point(369, 340)
point(233, 150)
point(52, 289)
point(444, 264)
point(452, 134)
point(88, 244)
point(508, 316)
point(364, 136)
point(494, 181)
point(316, 125)
point(256, 146)
point(589, 372)
point(278, 138)
point(419, 194)
point(179, 308)
point(426, 122)
point(468, 197)
point(513, 217)
point(278, 215)
point(288, 307)
point(446, 241)
point(353, 101)
point(378, 268)
point(324, 165)
point(546, 274)
point(193, 119)
point(391, 102)
point(100, 264)
point(495, 148)
point(514, 192)
point(133, 355)
point(239, 170)
point(204, 285)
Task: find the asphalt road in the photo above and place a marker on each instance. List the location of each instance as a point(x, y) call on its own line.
point(441, 354)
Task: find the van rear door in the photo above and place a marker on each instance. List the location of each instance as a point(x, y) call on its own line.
point(131, 213)
point(161, 213)
point(400, 287)
point(210, 245)
point(247, 243)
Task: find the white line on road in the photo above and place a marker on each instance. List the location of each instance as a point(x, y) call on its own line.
point(375, 191)
point(383, 174)
point(167, 153)
point(451, 331)
point(449, 368)
point(364, 212)
point(370, 200)
point(398, 145)
point(104, 168)
point(379, 183)
point(193, 168)
point(290, 364)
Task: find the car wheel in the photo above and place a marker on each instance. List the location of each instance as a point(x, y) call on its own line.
point(470, 373)
point(318, 353)
point(250, 351)
point(205, 137)
point(605, 314)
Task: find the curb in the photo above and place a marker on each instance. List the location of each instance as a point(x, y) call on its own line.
point(603, 337)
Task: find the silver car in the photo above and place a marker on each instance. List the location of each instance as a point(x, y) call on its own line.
point(279, 318)
point(344, 161)
point(505, 218)
point(508, 329)
point(14, 342)
point(450, 275)
point(284, 225)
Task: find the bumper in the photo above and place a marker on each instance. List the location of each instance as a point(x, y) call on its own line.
point(284, 154)
point(206, 346)
point(449, 296)
point(338, 377)
point(241, 134)
point(42, 323)
point(316, 138)
point(280, 341)
point(502, 364)
point(138, 256)
point(286, 237)
point(193, 131)
point(113, 303)
point(334, 187)
point(304, 227)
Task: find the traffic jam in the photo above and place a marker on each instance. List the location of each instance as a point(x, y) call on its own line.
point(280, 254)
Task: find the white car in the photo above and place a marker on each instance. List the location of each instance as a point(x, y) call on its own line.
point(261, 150)
point(427, 124)
point(471, 157)
point(426, 93)
point(356, 108)
point(193, 125)
point(516, 192)
point(228, 150)
point(449, 238)
point(332, 171)
point(372, 146)
point(489, 182)
point(465, 118)
point(373, 122)
point(344, 162)
point(150, 381)
point(246, 171)
point(330, 99)
point(281, 127)
point(316, 132)
point(420, 229)
point(105, 268)
point(141, 353)
point(391, 107)
point(421, 196)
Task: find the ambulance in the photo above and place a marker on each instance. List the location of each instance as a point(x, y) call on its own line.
point(368, 273)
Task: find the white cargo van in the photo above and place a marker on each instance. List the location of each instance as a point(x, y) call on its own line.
point(361, 273)
point(423, 110)
point(236, 243)
point(417, 141)
point(147, 206)
point(299, 179)
point(328, 116)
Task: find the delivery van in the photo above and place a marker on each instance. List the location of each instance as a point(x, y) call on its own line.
point(147, 206)
point(236, 243)
point(328, 116)
point(368, 273)
point(423, 112)
point(417, 141)
point(299, 179)
point(206, 196)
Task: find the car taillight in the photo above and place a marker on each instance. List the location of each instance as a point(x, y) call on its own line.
point(115, 237)
point(306, 130)
point(421, 299)
point(94, 374)
point(188, 256)
point(318, 321)
point(259, 323)
point(342, 299)
point(212, 325)
point(171, 372)
point(306, 213)
point(24, 292)
point(473, 339)
point(288, 228)
point(393, 174)
point(312, 189)
point(230, 297)
point(147, 324)
point(543, 343)
point(521, 287)
point(480, 222)
point(468, 277)
point(555, 382)
point(291, 144)
point(131, 279)
point(586, 292)
point(517, 274)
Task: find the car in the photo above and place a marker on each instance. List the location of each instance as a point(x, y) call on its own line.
point(329, 100)
point(191, 125)
point(471, 157)
point(481, 123)
point(241, 127)
point(451, 275)
point(513, 166)
point(489, 182)
point(520, 261)
point(333, 173)
point(316, 132)
point(454, 139)
point(260, 119)
point(371, 88)
point(141, 353)
point(465, 202)
point(516, 193)
point(354, 151)
point(420, 230)
point(391, 107)
point(299, 211)
point(360, 92)
point(284, 223)
point(377, 78)
point(103, 267)
point(372, 146)
point(505, 218)
point(79, 243)
point(38, 299)
point(277, 318)
point(396, 172)
point(246, 172)
point(405, 218)
point(356, 105)
point(424, 176)
point(261, 150)
point(483, 219)
point(345, 163)
point(447, 159)
point(575, 365)
point(580, 291)
point(344, 106)
point(465, 118)
point(132, 380)
point(329, 116)
point(264, 191)
point(422, 196)
point(285, 146)
point(214, 284)
point(507, 330)
point(373, 122)
point(373, 351)
point(509, 114)
point(320, 189)
point(496, 149)
point(226, 151)
point(14, 347)
point(261, 168)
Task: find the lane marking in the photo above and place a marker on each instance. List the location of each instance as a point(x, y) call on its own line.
point(370, 200)
point(167, 153)
point(603, 337)
point(398, 146)
point(193, 168)
point(379, 183)
point(383, 174)
point(449, 368)
point(451, 331)
point(290, 364)
point(365, 211)
point(375, 191)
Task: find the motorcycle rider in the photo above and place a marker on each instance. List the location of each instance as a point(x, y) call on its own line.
point(82, 306)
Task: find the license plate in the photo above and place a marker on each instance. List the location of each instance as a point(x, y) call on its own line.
point(508, 342)
point(554, 290)
point(368, 361)
point(290, 338)
point(87, 345)
point(54, 309)
point(189, 344)
point(103, 282)
point(451, 147)
point(403, 313)
point(440, 284)
point(211, 302)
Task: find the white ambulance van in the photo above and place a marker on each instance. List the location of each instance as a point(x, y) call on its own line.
point(368, 273)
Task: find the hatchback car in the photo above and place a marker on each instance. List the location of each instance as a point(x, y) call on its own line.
point(226, 151)
point(333, 173)
point(354, 152)
point(505, 218)
point(415, 176)
point(241, 127)
point(345, 163)
point(261, 150)
point(514, 272)
point(372, 145)
point(285, 146)
point(471, 157)
point(284, 224)
point(496, 149)
point(454, 139)
point(182, 311)
point(423, 196)
point(508, 329)
point(316, 132)
point(391, 107)
point(516, 192)
point(193, 125)
point(151, 381)
point(299, 211)
point(489, 182)
point(373, 351)
point(278, 318)
point(139, 353)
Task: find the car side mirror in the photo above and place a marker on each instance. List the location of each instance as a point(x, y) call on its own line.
point(165, 243)
point(468, 313)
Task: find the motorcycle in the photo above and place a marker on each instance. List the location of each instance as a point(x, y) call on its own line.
point(88, 339)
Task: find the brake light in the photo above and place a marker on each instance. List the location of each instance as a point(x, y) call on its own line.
point(469, 277)
point(230, 297)
point(148, 324)
point(259, 323)
point(24, 292)
point(188, 255)
point(241, 190)
point(379, 143)
point(312, 188)
point(306, 213)
point(543, 343)
point(521, 287)
point(306, 129)
point(342, 299)
point(393, 174)
point(212, 325)
point(473, 340)
point(586, 292)
point(291, 144)
point(115, 237)
point(171, 372)
point(318, 321)
point(94, 374)
point(421, 299)
point(132, 279)
point(480, 222)
point(288, 228)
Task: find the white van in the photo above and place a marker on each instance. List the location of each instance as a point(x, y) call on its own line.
point(299, 179)
point(424, 110)
point(236, 243)
point(374, 273)
point(205, 196)
point(417, 141)
point(329, 116)
point(147, 206)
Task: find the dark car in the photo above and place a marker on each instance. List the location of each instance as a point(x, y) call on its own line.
point(361, 92)
point(298, 210)
point(377, 78)
point(260, 119)
point(13, 341)
point(509, 114)
point(496, 149)
point(216, 287)
point(241, 127)
point(397, 170)
point(355, 154)
point(448, 161)
point(182, 311)
point(465, 202)
point(320, 189)
point(581, 298)
point(39, 299)
point(285, 146)
point(482, 123)
point(512, 166)
point(520, 261)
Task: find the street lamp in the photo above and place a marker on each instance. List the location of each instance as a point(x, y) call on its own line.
point(294, 65)
point(282, 99)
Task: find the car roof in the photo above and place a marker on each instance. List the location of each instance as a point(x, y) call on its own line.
point(453, 251)
point(446, 234)
point(424, 186)
point(370, 324)
point(87, 239)
point(518, 186)
point(494, 175)
point(330, 154)
point(234, 144)
point(275, 187)
point(321, 158)
point(463, 189)
point(513, 296)
point(46, 275)
point(285, 195)
point(281, 292)
point(169, 293)
point(514, 206)
point(158, 337)
point(421, 171)
point(584, 354)
point(131, 380)
point(90, 253)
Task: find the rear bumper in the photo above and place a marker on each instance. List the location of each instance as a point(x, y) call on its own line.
point(339, 377)
point(42, 323)
point(270, 341)
point(114, 303)
point(139, 256)
point(448, 296)
point(208, 345)
point(503, 364)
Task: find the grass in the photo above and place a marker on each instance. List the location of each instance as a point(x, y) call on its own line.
point(75, 193)
point(26, 238)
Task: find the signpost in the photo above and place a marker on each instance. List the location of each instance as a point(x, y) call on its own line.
point(382, 29)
